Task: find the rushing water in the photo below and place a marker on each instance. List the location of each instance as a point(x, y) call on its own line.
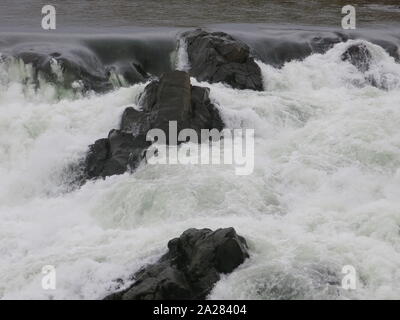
point(325, 191)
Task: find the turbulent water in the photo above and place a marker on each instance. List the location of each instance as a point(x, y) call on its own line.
point(325, 191)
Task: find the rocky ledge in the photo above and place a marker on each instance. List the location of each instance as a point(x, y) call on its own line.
point(190, 268)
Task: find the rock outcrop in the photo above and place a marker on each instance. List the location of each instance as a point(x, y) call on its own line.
point(190, 268)
point(218, 57)
point(172, 98)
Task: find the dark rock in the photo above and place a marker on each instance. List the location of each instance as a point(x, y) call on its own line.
point(97, 157)
point(172, 98)
point(218, 57)
point(359, 56)
point(134, 122)
point(126, 150)
point(169, 100)
point(190, 268)
point(123, 151)
point(204, 115)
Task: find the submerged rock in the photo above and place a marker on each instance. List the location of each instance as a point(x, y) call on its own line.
point(131, 73)
point(172, 98)
point(76, 67)
point(190, 268)
point(359, 56)
point(391, 48)
point(70, 69)
point(218, 57)
point(321, 44)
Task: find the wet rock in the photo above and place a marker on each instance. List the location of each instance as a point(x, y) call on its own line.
point(218, 57)
point(97, 157)
point(359, 56)
point(190, 268)
point(172, 98)
point(169, 100)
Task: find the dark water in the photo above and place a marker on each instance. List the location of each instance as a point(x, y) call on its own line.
point(103, 15)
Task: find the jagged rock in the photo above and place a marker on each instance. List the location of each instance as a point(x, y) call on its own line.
point(218, 57)
point(190, 268)
point(359, 56)
point(172, 98)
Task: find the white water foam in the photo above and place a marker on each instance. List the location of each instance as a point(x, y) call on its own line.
point(182, 59)
point(325, 191)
